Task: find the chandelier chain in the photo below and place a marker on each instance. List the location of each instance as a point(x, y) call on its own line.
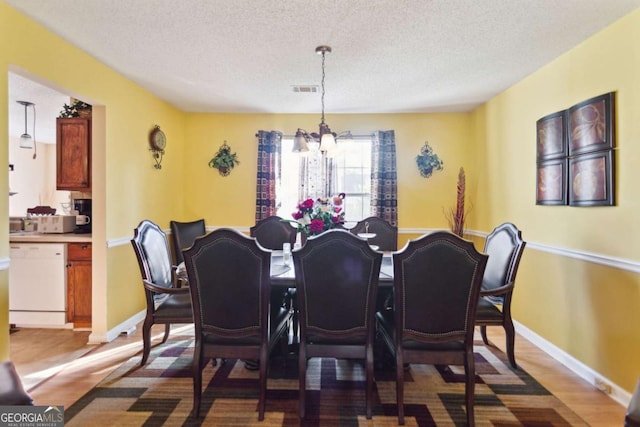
point(322, 99)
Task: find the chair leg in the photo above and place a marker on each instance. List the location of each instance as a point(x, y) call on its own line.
point(167, 329)
point(284, 346)
point(483, 332)
point(295, 317)
point(511, 340)
point(146, 340)
point(197, 380)
point(263, 385)
point(295, 324)
point(369, 392)
point(400, 386)
point(470, 377)
point(302, 375)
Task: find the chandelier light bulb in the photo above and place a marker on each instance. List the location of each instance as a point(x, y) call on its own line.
point(300, 144)
point(327, 142)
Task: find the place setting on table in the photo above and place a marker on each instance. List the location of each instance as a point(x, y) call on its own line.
point(367, 235)
point(283, 273)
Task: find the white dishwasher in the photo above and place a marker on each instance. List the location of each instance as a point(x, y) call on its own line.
point(38, 284)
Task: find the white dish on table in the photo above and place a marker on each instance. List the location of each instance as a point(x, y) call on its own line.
point(367, 235)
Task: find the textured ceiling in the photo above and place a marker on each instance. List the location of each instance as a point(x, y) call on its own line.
point(388, 56)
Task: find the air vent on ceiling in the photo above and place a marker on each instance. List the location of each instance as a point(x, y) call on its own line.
point(305, 89)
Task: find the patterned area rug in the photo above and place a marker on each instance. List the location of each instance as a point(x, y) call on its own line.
point(160, 394)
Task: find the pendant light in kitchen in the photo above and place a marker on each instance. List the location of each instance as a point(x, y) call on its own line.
point(26, 140)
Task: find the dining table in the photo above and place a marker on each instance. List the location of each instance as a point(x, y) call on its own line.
point(283, 274)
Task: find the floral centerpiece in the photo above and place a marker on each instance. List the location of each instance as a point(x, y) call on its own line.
point(315, 216)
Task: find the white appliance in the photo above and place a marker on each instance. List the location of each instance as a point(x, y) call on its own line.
point(37, 284)
point(56, 223)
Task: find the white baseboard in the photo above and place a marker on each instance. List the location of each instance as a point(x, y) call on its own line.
point(39, 319)
point(599, 381)
point(127, 326)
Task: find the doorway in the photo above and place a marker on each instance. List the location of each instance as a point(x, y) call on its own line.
point(99, 328)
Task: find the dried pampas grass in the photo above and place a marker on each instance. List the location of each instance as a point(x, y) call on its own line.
point(457, 217)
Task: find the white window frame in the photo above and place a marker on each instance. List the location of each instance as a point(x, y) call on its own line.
point(287, 190)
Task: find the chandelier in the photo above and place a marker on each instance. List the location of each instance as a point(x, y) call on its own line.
point(325, 137)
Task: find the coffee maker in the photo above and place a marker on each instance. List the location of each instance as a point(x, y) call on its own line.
point(83, 207)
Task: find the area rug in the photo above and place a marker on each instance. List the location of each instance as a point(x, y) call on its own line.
point(160, 394)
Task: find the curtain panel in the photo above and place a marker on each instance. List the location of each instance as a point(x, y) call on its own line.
point(384, 177)
point(269, 172)
point(317, 176)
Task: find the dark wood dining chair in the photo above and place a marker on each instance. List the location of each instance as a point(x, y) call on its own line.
point(437, 286)
point(386, 235)
point(337, 279)
point(184, 234)
point(386, 238)
point(12, 391)
point(229, 277)
point(272, 232)
point(166, 303)
point(632, 416)
point(505, 246)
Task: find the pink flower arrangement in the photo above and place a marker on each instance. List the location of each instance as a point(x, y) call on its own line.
point(314, 217)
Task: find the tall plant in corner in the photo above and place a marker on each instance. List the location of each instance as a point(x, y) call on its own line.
point(457, 217)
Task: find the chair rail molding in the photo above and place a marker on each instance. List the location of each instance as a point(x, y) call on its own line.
point(606, 260)
point(609, 261)
point(120, 241)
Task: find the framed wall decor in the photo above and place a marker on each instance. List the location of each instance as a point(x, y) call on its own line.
point(591, 179)
point(551, 182)
point(551, 136)
point(591, 125)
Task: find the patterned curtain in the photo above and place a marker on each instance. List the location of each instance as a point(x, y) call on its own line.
point(384, 177)
point(269, 172)
point(317, 176)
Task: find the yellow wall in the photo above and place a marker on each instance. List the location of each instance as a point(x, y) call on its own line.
point(590, 311)
point(126, 188)
point(231, 200)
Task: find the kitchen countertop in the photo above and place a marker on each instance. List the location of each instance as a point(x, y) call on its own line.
point(35, 237)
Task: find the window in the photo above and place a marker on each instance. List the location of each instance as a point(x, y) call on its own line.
point(351, 175)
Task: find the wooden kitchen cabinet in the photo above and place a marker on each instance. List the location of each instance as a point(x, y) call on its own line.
point(73, 154)
point(79, 284)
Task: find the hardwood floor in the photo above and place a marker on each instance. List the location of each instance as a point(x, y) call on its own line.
point(58, 367)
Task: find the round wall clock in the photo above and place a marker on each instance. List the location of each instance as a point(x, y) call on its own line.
point(157, 139)
point(157, 142)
